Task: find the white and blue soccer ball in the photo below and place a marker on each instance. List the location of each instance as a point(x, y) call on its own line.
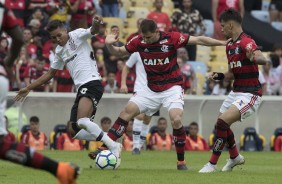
point(106, 160)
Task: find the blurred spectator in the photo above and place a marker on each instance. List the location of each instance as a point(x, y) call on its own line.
point(195, 142)
point(183, 54)
point(120, 65)
point(106, 124)
point(34, 72)
point(110, 8)
point(136, 33)
point(29, 43)
point(187, 22)
point(272, 72)
point(63, 81)
point(99, 55)
point(278, 51)
point(218, 7)
point(111, 84)
point(66, 142)
point(33, 4)
point(39, 34)
point(189, 77)
point(275, 10)
point(10, 137)
point(278, 144)
point(4, 44)
point(111, 60)
point(39, 15)
point(252, 5)
point(161, 140)
point(222, 87)
point(263, 83)
point(19, 9)
point(22, 64)
point(127, 139)
point(59, 10)
point(83, 11)
point(34, 137)
point(162, 19)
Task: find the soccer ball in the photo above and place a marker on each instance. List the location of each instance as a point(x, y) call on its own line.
point(106, 160)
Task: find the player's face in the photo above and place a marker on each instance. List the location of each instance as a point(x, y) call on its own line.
point(151, 37)
point(59, 36)
point(226, 28)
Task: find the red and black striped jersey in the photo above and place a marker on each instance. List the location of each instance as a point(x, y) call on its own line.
point(245, 72)
point(159, 59)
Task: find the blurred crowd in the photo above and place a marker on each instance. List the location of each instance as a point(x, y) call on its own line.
point(38, 50)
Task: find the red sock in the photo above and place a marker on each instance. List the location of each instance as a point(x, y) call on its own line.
point(232, 148)
point(23, 155)
point(179, 137)
point(221, 136)
point(117, 129)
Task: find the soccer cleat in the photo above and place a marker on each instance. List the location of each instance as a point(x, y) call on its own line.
point(181, 165)
point(136, 151)
point(208, 168)
point(239, 160)
point(67, 173)
point(117, 152)
point(94, 154)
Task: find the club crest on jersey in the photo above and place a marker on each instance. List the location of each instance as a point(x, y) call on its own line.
point(156, 61)
point(72, 44)
point(249, 46)
point(181, 39)
point(164, 48)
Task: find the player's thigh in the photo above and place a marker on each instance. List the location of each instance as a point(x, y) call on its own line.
point(175, 114)
point(130, 111)
point(231, 115)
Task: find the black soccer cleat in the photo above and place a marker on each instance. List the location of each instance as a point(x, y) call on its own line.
point(181, 165)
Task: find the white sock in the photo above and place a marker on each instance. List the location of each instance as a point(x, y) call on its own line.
point(84, 135)
point(95, 130)
point(137, 126)
point(143, 134)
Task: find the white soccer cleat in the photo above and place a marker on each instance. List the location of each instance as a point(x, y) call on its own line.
point(117, 152)
point(239, 160)
point(208, 168)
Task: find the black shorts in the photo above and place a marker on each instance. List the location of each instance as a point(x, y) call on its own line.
point(94, 91)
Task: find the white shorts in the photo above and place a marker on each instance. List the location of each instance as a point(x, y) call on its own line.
point(150, 102)
point(246, 103)
point(4, 87)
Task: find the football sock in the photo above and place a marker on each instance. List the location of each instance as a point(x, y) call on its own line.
point(90, 127)
point(232, 148)
point(84, 135)
point(144, 133)
point(117, 129)
point(137, 126)
point(221, 137)
point(179, 137)
point(23, 155)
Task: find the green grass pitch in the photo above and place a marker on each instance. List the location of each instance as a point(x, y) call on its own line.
point(152, 167)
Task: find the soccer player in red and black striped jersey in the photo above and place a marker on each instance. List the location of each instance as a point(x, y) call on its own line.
point(16, 152)
point(157, 50)
point(243, 60)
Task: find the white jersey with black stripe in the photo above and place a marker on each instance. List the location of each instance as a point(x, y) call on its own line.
point(78, 56)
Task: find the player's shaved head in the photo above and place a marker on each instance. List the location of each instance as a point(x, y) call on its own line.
point(148, 25)
point(231, 14)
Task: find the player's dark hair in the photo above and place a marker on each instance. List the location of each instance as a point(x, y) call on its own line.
point(231, 14)
point(148, 25)
point(54, 24)
point(34, 119)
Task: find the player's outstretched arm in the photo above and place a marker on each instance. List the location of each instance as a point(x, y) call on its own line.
point(41, 80)
point(206, 41)
point(96, 22)
point(117, 51)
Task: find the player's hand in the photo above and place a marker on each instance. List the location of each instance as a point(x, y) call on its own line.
point(123, 89)
point(226, 41)
point(96, 22)
point(212, 75)
point(111, 38)
point(250, 54)
point(22, 94)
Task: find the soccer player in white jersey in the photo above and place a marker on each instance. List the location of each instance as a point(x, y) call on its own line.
point(141, 122)
point(74, 51)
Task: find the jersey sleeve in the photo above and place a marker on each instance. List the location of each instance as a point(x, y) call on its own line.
point(83, 34)
point(132, 44)
point(133, 59)
point(57, 63)
point(248, 44)
point(179, 39)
